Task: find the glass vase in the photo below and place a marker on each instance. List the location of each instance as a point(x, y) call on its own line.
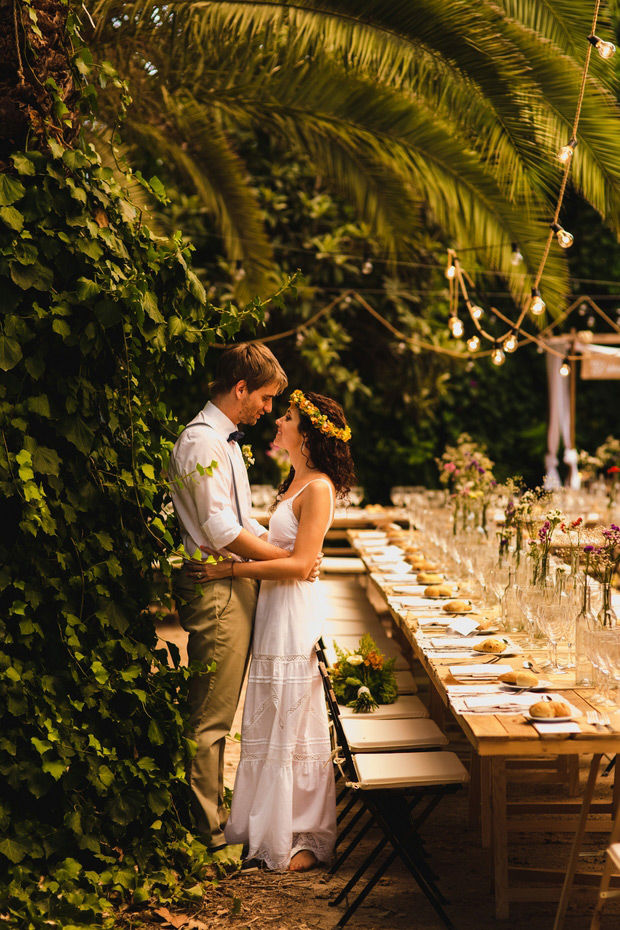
point(606, 616)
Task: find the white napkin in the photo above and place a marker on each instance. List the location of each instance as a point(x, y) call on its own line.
point(555, 729)
point(476, 671)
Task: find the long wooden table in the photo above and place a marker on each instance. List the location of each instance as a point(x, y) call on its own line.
point(495, 738)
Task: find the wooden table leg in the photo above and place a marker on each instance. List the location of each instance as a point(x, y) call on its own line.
point(485, 802)
point(606, 876)
point(574, 855)
point(474, 789)
point(499, 836)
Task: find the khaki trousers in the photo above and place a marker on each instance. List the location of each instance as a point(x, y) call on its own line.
point(219, 622)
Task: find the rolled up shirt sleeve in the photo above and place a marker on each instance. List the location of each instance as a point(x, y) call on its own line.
point(221, 528)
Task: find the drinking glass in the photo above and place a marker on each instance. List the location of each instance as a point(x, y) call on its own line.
point(527, 595)
point(553, 619)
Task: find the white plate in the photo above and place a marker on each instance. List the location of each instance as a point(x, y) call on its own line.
point(551, 719)
point(508, 653)
point(541, 686)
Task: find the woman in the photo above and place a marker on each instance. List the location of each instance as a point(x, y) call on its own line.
point(283, 807)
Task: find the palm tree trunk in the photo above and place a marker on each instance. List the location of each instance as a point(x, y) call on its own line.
point(34, 47)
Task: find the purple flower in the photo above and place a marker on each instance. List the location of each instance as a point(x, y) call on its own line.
point(588, 548)
point(481, 471)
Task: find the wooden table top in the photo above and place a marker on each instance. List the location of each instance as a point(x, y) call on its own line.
point(503, 734)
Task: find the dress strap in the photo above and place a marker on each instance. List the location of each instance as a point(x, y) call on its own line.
point(290, 500)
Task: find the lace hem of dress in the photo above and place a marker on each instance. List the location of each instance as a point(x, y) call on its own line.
point(285, 763)
point(270, 658)
point(300, 841)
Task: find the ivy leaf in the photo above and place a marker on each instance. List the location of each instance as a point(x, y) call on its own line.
point(46, 461)
point(11, 190)
point(12, 218)
point(23, 164)
point(35, 275)
point(54, 768)
point(86, 288)
point(40, 405)
point(78, 433)
point(10, 353)
point(13, 850)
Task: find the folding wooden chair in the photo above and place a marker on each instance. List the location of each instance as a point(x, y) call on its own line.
point(398, 790)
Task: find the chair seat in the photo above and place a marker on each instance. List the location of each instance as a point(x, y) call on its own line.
point(614, 854)
point(406, 705)
point(405, 682)
point(409, 769)
point(356, 626)
point(366, 734)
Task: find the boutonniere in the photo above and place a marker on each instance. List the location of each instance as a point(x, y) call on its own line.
point(248, 457)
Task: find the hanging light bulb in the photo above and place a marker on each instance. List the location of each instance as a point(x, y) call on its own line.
point(456, 327)
point(537, 306)
point(239, 273)
point(565, 239)
point(497, 355)
point(450, 271)
point(605, 49)
point(367, 266)
point(565, 367)
point(476, 311)
point(473, 343)
point(566, 152)
point(516, 257)
point(511, 344)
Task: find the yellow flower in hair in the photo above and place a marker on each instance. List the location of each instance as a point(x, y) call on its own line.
point(318, 419)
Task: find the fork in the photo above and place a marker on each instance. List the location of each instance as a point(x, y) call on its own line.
point(597, 719)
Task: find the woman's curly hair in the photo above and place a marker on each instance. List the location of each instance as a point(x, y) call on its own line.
point(328, 455)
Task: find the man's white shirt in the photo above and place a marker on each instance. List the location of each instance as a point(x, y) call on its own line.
point(205, 504)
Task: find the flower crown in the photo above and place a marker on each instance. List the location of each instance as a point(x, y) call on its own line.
point(318, 419)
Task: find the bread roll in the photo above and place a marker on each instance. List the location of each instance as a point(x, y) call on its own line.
point(526, 679)
point(429, 578)
point(439, 590)
point(493, 644)
point(542, 709)
point(509, 678)
point(560, 708)
point(457, 606)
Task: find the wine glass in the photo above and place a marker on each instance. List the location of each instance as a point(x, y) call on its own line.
point(553, 620)
point(526, 599)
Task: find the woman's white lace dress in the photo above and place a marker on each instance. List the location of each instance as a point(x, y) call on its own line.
point(284, 795)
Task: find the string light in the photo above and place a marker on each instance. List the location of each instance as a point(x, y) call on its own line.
point(567, 151)
point(239, 273)
point(605, 49)
point(450, 271)
point(511, 344)
point(537, 306)
point(565, 239)
point(497, 355)
point(473, 343)
point(565, 367)
point(367, 267)
point(476, 311)
point(517, 257)
point(456, 327)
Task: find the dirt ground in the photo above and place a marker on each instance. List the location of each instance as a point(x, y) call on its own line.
point(270, 901)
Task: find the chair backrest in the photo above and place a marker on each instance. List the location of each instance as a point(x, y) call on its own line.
point(334, 711)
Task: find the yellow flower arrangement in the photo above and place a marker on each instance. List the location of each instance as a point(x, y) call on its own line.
point(318, 419)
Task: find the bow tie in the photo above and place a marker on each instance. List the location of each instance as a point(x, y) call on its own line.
point(236, 436)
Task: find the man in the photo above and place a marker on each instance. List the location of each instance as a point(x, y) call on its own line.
point(214, 514)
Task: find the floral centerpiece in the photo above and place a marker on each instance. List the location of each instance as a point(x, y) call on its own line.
point(540, 545)
point(601, 561)
point(605, 462)
point(466, 471)
point(365, 678)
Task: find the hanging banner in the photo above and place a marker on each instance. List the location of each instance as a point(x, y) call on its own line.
point(600, 367)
